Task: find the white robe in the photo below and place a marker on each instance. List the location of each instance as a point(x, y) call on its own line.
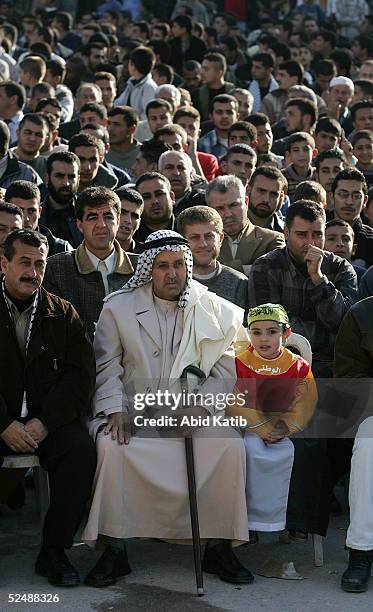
point(140, 489)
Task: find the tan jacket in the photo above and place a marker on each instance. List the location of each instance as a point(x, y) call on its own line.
point(255, 242)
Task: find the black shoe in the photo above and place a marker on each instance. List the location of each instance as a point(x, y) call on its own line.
point(54, 565)
point(357, 575)
point(222, 561)
point(112, 564)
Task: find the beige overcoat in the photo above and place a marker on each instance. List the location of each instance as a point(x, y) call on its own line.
point(140, 489)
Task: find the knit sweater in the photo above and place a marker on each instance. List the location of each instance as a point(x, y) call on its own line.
point(228, 284)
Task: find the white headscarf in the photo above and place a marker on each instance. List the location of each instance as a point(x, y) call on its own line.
point(157, 242)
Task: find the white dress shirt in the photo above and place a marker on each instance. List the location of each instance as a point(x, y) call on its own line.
point(105, 266)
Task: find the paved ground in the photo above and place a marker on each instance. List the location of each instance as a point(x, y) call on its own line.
point(163, 576)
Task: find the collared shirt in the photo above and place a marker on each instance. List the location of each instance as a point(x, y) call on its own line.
point(21, 323)
point(234, 242)
point(105, 266)
point(209, 143)
point(13, 124)
point(315, 311)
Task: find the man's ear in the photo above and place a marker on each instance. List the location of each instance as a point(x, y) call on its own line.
point(315, 152)
point(4, 263)
point(353, 250)
point(287, 333)
point(247, 200)
point(172, 196)
point(286, 233)
point(79, 225)
point(365, 201)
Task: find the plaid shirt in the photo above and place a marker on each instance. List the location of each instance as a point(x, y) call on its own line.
point(315, 311)
point(209, 143)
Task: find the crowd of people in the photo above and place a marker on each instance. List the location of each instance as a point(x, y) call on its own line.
point(169, 175)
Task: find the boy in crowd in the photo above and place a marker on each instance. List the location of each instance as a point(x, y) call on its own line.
point(340, 239)
point(328, 164)
point(300, 150)
point(242, 132)
point(263, 372)
point(328, 133)
point(362, 142)
point(240, 161)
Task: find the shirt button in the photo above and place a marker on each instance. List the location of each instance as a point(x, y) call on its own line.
point(155, 353)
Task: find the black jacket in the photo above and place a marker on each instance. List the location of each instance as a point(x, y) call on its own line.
point(59, 371)
point(66, 231)
point(192, 197)
point(16, 171)
point(196, 50)
point(56, 245)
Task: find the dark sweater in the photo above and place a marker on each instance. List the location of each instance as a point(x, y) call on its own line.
point(228, 284)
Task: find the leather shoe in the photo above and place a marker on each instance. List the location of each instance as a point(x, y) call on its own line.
point(357, 575)
point(112, 564)
point(54, 565)
point(221, 560)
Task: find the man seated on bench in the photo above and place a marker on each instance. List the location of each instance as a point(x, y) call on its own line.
point(47, 381)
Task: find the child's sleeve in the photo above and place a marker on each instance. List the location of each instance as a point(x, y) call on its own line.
point(244, 402)
point(303, 406)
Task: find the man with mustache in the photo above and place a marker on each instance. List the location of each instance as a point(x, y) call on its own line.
point(48, 378)
point(58, 212)
point(267, 191)
point(159, 201)
point(177, 167)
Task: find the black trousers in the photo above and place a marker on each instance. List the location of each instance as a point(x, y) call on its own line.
point(69, 456)
point(310, 487)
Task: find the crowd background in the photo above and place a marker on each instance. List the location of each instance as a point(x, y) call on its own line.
point(245, 126)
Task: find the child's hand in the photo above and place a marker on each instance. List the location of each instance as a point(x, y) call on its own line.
point(279, 432)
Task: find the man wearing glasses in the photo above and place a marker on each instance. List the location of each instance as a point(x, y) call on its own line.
point(349, 191)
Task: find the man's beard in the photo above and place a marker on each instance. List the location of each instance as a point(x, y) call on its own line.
point(262, 213)
point(60, 198)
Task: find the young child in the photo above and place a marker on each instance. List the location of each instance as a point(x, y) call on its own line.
point(300, 150)
point(362, 142)
point(281, 397)
point(340, 240)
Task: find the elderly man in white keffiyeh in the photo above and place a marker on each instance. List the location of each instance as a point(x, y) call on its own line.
point(148, 332)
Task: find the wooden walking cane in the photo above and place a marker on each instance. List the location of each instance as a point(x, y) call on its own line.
point(192, 487)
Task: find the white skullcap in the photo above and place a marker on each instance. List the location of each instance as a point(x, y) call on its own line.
point(341, 80)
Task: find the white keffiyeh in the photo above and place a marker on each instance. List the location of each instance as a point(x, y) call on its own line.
point(168, 241)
